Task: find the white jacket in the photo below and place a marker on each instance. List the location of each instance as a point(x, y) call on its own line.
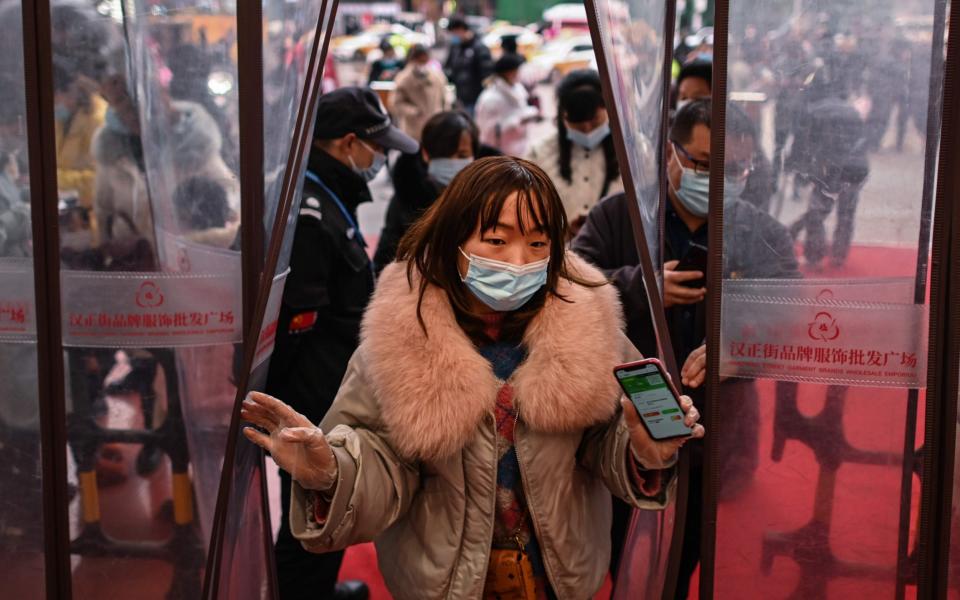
point(501, 114)
point(588, 169)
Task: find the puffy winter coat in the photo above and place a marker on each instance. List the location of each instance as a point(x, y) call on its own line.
point(413, 432)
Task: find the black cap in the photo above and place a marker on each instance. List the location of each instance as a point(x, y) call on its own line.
point(457, 22)
point(507, 63)
point(359, 111)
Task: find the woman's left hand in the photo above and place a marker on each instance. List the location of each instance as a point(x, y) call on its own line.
point(655, 454)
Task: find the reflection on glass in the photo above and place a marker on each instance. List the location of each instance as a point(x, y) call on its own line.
point(632, 36)
point(632, 44)
point(824, 179)
point(147, 133)
point(290, 36)
point(21, 484)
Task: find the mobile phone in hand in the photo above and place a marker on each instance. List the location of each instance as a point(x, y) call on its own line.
point(694, 260)
point(646, 384)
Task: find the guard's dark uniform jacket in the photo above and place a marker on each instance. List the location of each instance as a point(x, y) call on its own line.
point(327, 291)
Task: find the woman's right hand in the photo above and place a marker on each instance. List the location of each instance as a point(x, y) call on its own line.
point(297, 445)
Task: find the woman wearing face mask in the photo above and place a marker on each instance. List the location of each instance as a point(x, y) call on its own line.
point(421, 92)
point(503, 109)
point(450, 142)
point(581, 158)
point(478, 432)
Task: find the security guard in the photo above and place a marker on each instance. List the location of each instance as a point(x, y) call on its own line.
point(330, 282)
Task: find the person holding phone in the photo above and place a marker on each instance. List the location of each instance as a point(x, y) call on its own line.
point(479, 430)
point(755, 246)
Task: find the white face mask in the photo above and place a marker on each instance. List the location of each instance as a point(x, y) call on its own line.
point(589, 140)
point(370, 173)
point(503, 286)
point(443, 170)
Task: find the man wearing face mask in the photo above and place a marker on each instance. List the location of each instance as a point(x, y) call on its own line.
point(755, 246)
point(469, 63)
point(580, 158)
point(330, 282)
point(695, 82)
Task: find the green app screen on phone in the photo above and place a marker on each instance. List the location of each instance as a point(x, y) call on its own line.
point(654, 401)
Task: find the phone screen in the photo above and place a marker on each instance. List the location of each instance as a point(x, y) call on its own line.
point(654, 400)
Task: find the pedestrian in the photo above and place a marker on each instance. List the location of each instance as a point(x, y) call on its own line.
point(79, 112)
point(420, 93)
point(694, 82)
point(580, 158)
point(755, 246)
point(450, 143)
point(503, 109)
point(330, 282)
point(838, 166)
point(469, 63)
point(387, 66)
point(479, 431)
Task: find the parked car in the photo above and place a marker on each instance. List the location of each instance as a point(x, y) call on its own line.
point(557, 58)
point(563, 19)
point(359, 47)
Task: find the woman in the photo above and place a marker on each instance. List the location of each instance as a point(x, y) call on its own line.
point(503, 109)
point(580, 159)
point(449, 142)
point(479, 427)
point(421, 92)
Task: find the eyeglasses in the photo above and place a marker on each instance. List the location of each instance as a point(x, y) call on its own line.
point(739, 170)
point(734, 170)
point(700, 167)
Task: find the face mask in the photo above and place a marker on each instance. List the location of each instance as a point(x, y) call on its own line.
point(61, 112)
point(370, 173)
point(733, 188)
point(113, 123)
point(455, 40)
point(684, 102)
point(589, 140)
point(502, 286)
point(443, 170)
point(694, 191)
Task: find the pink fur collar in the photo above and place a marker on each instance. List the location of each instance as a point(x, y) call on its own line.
point(434, 389)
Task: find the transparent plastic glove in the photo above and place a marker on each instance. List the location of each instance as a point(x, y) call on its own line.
point(651, 453)
point(296, 445)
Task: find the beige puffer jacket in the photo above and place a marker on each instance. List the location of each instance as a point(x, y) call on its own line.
point(413, 432)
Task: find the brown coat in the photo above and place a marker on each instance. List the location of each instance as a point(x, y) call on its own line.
point(417, 98)
point(413, 432)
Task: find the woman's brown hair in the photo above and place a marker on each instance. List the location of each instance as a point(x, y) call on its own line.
point(477, 195)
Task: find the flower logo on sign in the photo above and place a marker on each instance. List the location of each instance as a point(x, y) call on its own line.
point(824, 328)
point(149, 295)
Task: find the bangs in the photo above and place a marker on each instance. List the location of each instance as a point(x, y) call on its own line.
point(538, 205)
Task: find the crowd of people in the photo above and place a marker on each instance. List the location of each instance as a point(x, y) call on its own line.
point(435, 391)
point(471, 259)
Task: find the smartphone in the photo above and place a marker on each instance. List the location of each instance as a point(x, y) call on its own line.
point(694, 260)
point(657, 402)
